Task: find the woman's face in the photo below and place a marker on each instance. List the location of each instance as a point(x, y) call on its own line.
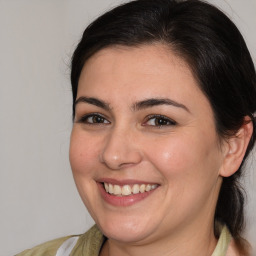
point(145, 131)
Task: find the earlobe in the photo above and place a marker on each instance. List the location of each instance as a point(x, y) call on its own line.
point(236, 149)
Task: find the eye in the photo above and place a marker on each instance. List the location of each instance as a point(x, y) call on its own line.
point(159, 121)
point(93, 119)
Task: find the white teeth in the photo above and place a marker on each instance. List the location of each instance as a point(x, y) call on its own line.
point(106, 186)
point(153, 186)
point(148, 187)
point(135, 189)
point(117, 190)
point(127, 190)
point(110, 189)
point(142, 188)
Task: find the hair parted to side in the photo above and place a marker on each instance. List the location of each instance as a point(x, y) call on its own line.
point(217, 54)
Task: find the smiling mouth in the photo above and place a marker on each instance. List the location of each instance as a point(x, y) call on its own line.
point(127, 190)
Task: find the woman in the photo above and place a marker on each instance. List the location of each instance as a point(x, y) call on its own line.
point(163, 102)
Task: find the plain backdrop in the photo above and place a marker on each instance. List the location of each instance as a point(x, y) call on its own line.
point(38, 198)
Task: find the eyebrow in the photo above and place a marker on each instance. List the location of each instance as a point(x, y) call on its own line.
point(156, 102)
point(93, 101)
point(147, 103)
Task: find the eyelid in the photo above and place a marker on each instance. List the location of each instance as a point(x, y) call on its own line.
point(152, 116)
point(83, 118)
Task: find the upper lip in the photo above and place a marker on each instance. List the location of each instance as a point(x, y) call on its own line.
point(125, 181)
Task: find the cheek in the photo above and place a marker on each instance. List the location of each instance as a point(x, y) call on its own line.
point(82, 157)
point(81, 153)
point(190, 171)
point(170, 156)
point(187, 155)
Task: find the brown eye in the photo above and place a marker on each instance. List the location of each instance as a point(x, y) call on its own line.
point(94, 119)
point(158, 120)
point(97, 119)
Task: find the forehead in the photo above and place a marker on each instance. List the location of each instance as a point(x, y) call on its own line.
point(153, 50)
point(153, 65)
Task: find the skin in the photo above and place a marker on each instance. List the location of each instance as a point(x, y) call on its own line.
point(185, 157)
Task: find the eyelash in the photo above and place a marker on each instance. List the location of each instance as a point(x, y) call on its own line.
point(85, 118)
point(103, 121)
point(166, 121)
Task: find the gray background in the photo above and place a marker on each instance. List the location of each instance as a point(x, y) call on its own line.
point(38, 198)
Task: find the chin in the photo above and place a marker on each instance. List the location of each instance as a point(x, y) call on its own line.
point(129, 231)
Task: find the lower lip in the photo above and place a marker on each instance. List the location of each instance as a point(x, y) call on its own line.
point(123, 200)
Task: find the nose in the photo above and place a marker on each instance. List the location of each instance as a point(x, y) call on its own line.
point(120, 150)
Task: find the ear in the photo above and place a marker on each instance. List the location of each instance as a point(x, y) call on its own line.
point(235, 148)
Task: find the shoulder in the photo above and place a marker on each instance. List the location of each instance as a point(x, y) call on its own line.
point(91, 241)
point(46, 249)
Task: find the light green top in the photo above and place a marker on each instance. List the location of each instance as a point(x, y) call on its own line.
point(223, 242)
point(90, 243)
